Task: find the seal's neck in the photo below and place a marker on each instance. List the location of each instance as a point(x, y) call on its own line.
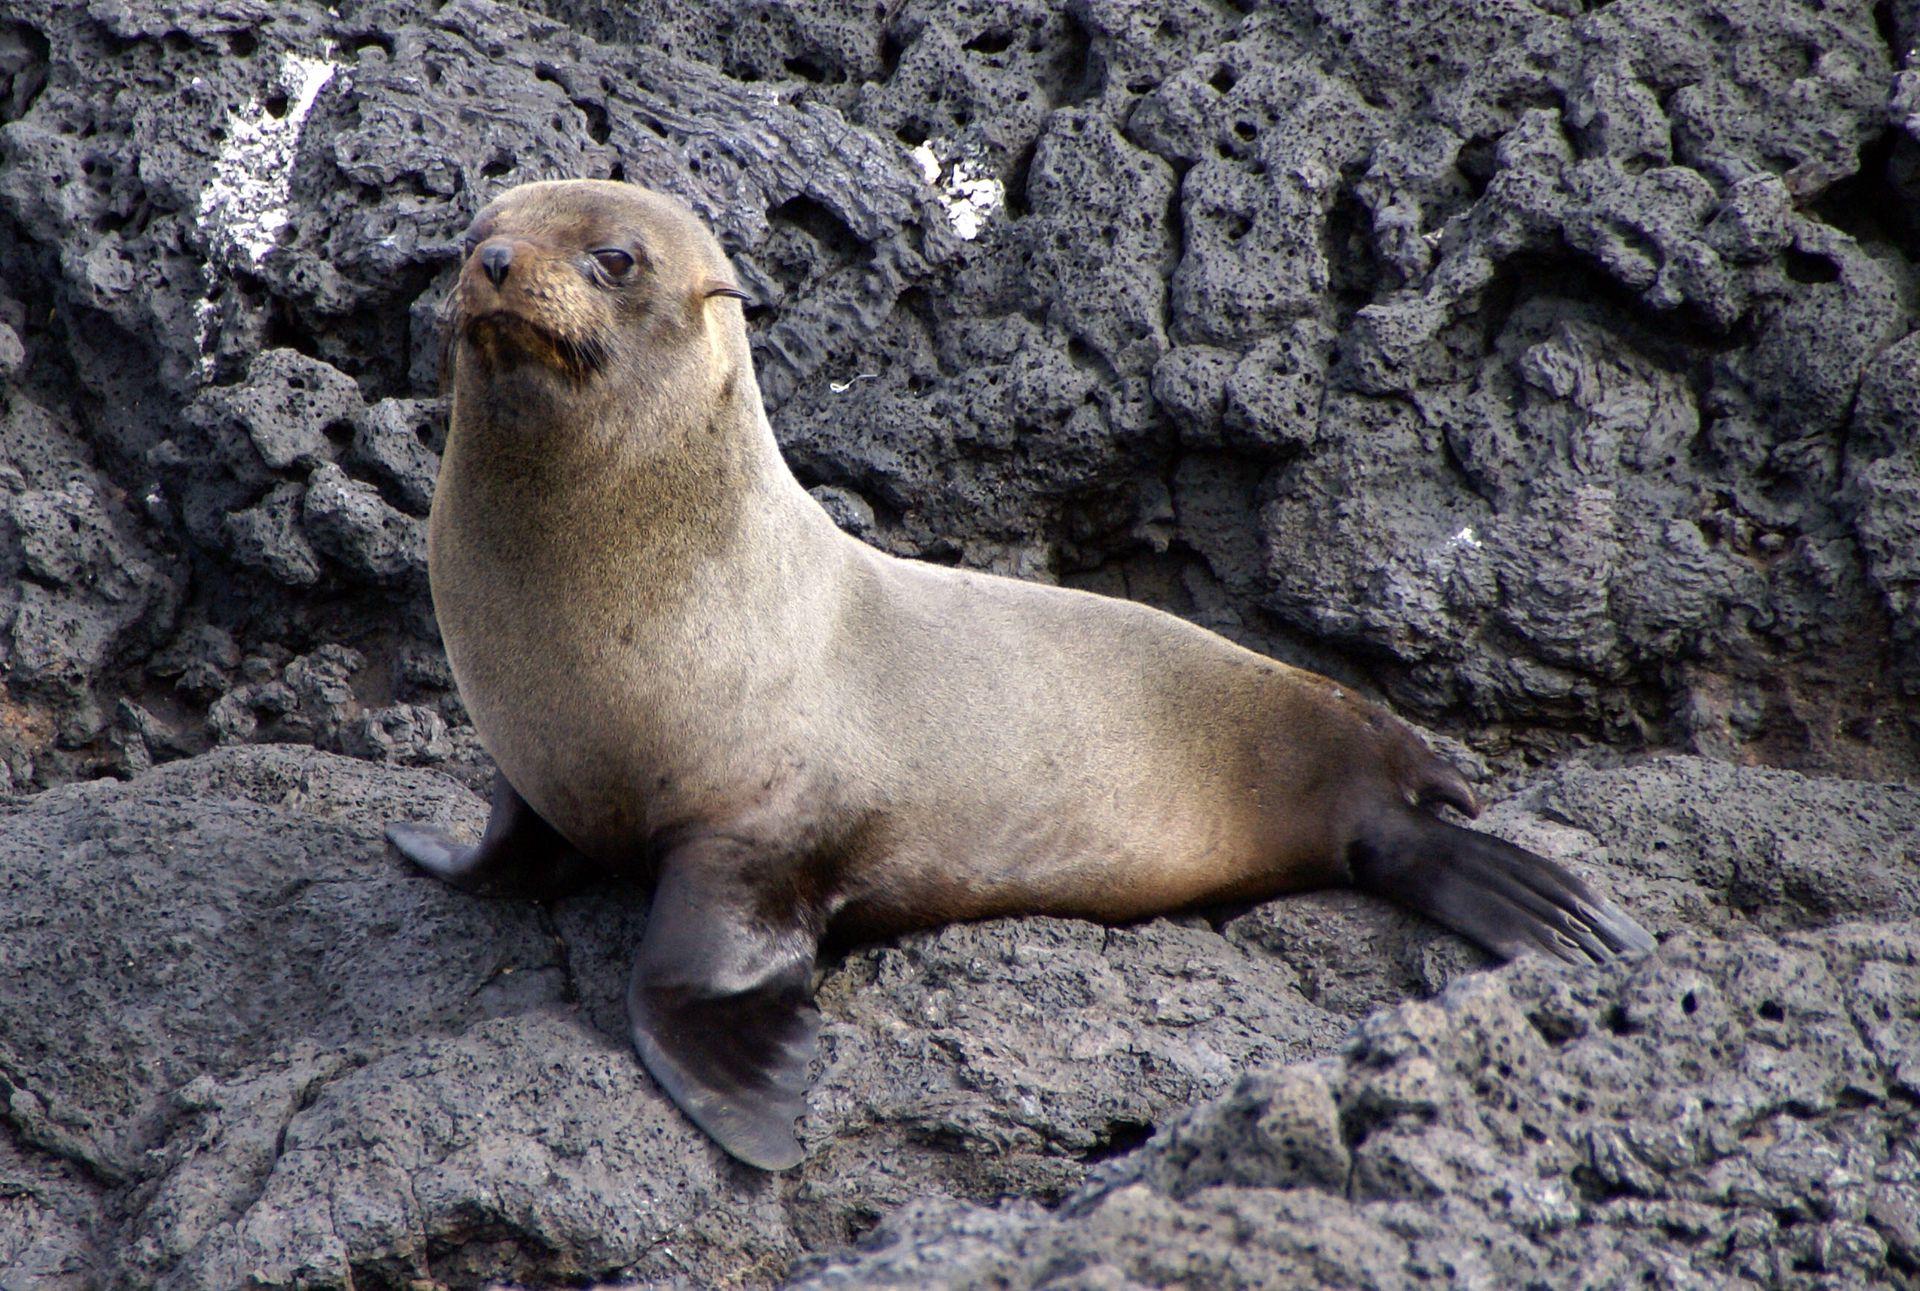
point(641, 470)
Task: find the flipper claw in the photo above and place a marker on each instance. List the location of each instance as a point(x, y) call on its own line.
point(1504, 897)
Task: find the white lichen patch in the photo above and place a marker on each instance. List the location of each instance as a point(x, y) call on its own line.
point(244, 205)
point(966, 188)
point(1465, 538)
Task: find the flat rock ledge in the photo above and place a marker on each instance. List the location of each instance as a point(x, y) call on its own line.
point(242, 1044)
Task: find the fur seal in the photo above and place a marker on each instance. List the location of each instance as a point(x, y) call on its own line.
point(687, 674)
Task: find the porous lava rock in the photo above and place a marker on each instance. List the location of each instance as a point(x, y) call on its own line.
point(1545, 369)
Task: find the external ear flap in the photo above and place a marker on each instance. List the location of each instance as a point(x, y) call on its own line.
point(717, 288)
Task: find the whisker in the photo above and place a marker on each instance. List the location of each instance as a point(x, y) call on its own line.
point(444, 323)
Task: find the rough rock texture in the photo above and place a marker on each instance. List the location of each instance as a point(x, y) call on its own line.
point(243, 1040)
point(1551, 372)
point(1725, 1113)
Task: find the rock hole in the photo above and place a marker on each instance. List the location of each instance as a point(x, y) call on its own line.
point(126, 223)
point(241, 44)
point(861, 1221)
point(1476, 162)
point(276, 104)
point(284, 330)
point(1074, 75)
point(497, 167)
point(1121, 1137)
point(806, 69)
point(618, 172)
point(1597, 1188)
point(990, 42)
point(822, 225)
point(598, 126)
point(1689, 1004)
point(373, 40)
point(890, 51)
point(1223, 78)
point(24, 53)
point(1809, 267)
point(1883, 23)
point(1771, 1010)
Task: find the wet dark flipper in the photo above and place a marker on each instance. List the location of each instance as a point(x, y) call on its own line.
point(520, 855)
point(721, 1004)
point(1504, 897)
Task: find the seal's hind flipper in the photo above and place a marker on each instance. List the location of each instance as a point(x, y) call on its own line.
point(519, 855)
point(721, 1007)
point(1504, 897)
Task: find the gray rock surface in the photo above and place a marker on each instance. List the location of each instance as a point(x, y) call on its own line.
point(1724, 1113)
point(244, 1041)
point(1547, 369)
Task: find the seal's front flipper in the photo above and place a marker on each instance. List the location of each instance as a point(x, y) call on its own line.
point(519, 855)
point(721, 1004)
point(1504, 897)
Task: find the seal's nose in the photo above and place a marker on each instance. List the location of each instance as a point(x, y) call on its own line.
point(496, 260)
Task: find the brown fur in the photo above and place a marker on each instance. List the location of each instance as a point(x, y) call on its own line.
point(688, 673)
point(660, 635)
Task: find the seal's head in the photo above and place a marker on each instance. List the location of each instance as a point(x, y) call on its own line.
point(588, 280)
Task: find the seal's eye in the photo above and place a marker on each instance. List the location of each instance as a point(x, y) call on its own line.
point(615, 262)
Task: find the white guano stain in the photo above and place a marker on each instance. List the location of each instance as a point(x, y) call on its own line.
point(244, 206)
point(1465, 538)
point(965, 187)
point(205, 315)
